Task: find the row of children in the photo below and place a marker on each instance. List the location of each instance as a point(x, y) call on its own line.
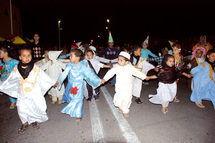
point(28, 80)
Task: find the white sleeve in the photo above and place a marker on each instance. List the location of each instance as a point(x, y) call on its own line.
point(137, 73)
point(110, 74)
point(103, 60)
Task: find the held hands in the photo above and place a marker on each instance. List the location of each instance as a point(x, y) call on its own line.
point(102, 81)
point(56, 84)
point(147, 78)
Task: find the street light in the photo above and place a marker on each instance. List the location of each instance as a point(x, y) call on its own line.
point(108, 21)
point(59, 32)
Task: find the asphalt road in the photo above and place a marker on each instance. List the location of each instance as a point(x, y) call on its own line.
point(101, 122)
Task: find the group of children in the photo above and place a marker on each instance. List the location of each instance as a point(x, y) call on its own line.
point(29, 83)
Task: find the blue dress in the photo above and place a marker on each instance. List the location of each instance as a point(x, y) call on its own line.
point(74, 92)
point(5, 70)
point(204, 83)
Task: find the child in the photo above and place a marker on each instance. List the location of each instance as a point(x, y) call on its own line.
point(144, 51)
point(77, 72)
point(204, 81)
point(196, 59)
point(143, 66)
point(124, 85)
point(167, 89)
point(54, 68)
point(8, 54)
point(28, 83)
point(94, 64)
point(179, 62)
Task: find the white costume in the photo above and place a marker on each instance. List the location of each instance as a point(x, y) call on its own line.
point(165, 94)
point(31, 104)
point(123, 87)
point(143, 66)
point(54, 68)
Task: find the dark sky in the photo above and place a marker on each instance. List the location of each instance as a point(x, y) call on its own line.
point(130, 20)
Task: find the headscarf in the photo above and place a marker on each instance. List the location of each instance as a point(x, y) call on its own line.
point(198, 48)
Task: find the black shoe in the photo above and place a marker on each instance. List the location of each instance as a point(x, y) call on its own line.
point(138, 100)
point(89, 100)
point(22, 129)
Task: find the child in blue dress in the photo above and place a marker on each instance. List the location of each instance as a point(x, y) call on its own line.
point(204, 81)
point(77, 72)
point(8, 53)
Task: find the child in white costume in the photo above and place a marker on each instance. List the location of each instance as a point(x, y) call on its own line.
point(28, 83)
point(124, 82)
point(143, 66)
point(54, 68)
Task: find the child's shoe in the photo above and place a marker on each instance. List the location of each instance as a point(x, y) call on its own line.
point(78, 119)
point(35, 125)
point(59, 101)
point(126, 115)
point(176, 100)
point(89, 100)
point(12, 105)
point(163, 110)
point(54, 102)
point(23, 128)
point(138, 100)
point(120, 111)
point(200, 105)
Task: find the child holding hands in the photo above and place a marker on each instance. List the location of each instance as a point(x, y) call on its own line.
point(124, 82)
point(167, 86)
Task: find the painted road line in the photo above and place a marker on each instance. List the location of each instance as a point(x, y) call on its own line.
point(96, 123)
point(124, 126)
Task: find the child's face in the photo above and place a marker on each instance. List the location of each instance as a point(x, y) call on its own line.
point(89, 55)
point(3, 54)
point(144, 46)
point(25, 56)
point(211, 57)
point(175, 51)
point(170, 62)
point(137, 52)
point(198, 54)
point(73, 58)
point(122, 61)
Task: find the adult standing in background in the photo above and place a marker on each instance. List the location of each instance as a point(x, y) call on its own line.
point(37, 48)
point(203, 43)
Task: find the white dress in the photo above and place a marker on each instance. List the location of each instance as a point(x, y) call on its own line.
point(124, 83)
point(143, 66)
point(165, 94)
point(31, 104)
point(54, 68)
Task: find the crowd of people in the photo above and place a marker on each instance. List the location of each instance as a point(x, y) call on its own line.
point(31, 72)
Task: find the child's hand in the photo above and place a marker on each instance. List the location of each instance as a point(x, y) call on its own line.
point(156, 69)
point(148, 78)
point(102, 81)
point(111, 67)
point(56, 84)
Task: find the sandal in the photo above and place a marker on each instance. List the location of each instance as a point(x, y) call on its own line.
point(126, 115)
point(89, 100)
point(120, 111)
point(22, 129)
point(97, 99)
point(200, 105)
point(138, 100)
point(163, 110)
point(176, 100)
point(35, 125)
point(78, 119)
point(12, 105)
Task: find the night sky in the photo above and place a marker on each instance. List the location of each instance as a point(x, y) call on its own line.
point(130, 20)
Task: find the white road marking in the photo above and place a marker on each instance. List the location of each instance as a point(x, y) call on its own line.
point(124, 126)
point(96, 123)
